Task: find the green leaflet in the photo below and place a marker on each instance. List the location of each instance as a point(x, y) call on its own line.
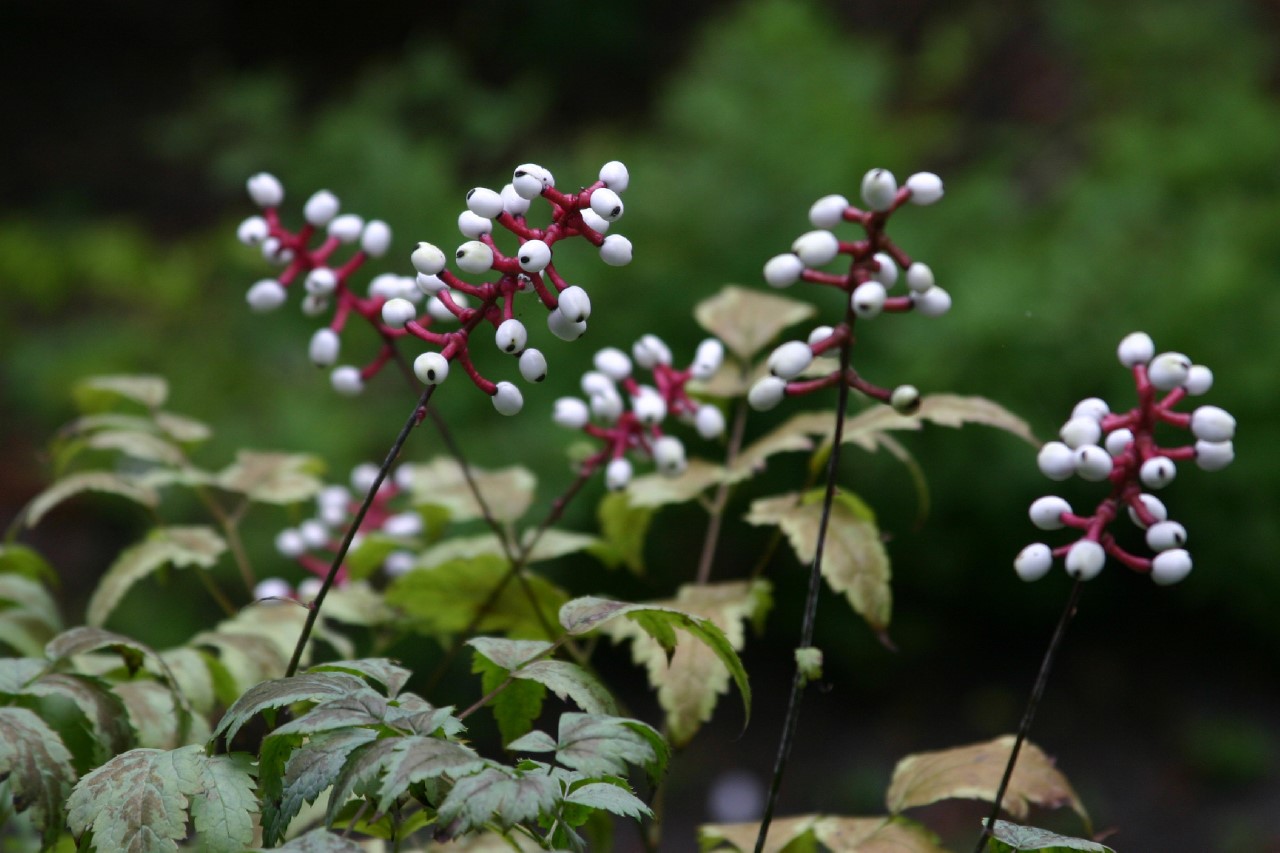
point(141, 800)
point(610, 797)
point(308, 687)
point(384, 769)
point(623, 531)
point(38, 768)
point(596, 744)
point(181, 547)
point(502, 795)
point(517, 706)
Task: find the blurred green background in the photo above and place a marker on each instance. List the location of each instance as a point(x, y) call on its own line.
point(1109, 167)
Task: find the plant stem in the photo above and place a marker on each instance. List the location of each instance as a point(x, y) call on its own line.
point(314, 611)
point(810, 606)
point(721, 499)
point(1029, 714)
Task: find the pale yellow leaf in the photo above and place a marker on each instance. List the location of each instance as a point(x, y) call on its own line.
point(690, 683)
point(747, 319)
point(84, 481)
point(150, 391)
point(182, 428)
point(507, 492)
point(854, 561)
point(139, 445)
point(165, 546)
point(274, 478)
point(652, 490)
point(792, 435)
point(835, 833)
point(973, 772)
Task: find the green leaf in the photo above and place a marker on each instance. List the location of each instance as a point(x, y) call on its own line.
point(515, 707)
point(624, 529)
point(27, 562)
point(366, 558)
point(551, 544)
point(533, 742)
point(308, 687)
point(1008, 837)
point(100, 714)
point(500, 795)
point(28, 615)
point(252, 646)
point(854, 561)
point(99, 393)
point(37, 767)
point(655, 490)
point(612, 798)
point(139, 801)
point(272, 478)
point(570, 682)
point(86, 481)
point(83, 640)
point(747, 319)
point(507, 492)
point(389, 766)
point(165, 546)
point(690, 679)
point(445, 599)
point(152, 714)
point(309, 770)
point(974, 772)
point(383, 671)
point(191, 674)
point(598, 744)
point(835, 833)
point(509, 654)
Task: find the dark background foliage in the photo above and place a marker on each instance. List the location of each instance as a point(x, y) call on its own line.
point(1109, 167)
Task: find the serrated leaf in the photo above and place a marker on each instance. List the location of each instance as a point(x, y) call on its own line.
point(509, 654)
point(153, 716)
point(691, 679)
point(445, 599)
point(182, 428)
point(97, 393)
point(192, 676)
point(180, 547)
point(747, 319)
point(139, 801)
point(253, 646)
point(293, 776)
point(498, 794)
point(788, 437)
point(507, 492)
point(37, 767)
point(655, 490)
point(366, 707)
point(602, 795)
point(624, 529)
point(389, 766)
point(308, 687)
point(835, 833)
point(516, 706)
point(974, 772)
point(597, 744)
point(569, 681)
point(317, 841)
point(586, 614)
point(384, 671)
point(28, 615)
point(854, 561)
point(83, 640)
point(1008, 837)
point(272, 478)
point(87, 481)
point(534, 741)
point(139, 445)
point(101, 713)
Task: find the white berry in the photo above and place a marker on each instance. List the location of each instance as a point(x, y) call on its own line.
point(1046, 513)
point(783, 270)
point(376, 238)
point(1157, 472)
point(428, 259)
point(1170, 566)
point(615, 176)
point(790, 359)
point(868, 299)
point(816, 248)
point(1056, 461)
point(1214, 455)
point(606, 204)
point(616, 250)
point(346, 228)
point(1085, 559)
point(474, 257)
point(574, 303)
point(1210, 423)
point(431, 368)
point(668, 455)
point(511, 336)
point(396, 312)
point(1169, 370)
point(828, 211)
point(709, 421)
point(507, 399)
point(1093, 463)
point(879, 189)
point(570, 412)
point(485, 203)
point(1166, 535)
point(265, 189)
point(767, 393)
point(323, 349)
point(266, 295)
point(617, 474)
point(1136, 348)
point(564, 328)
point(613, 363)
point(533, 365)
point(925, 187)
point(1033, 562)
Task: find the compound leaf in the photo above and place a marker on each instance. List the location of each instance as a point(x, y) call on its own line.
point(100, 714)
point(308, 687)
point(569, 681)
point(86, 481)
point(166, 546)
point(318, 841)
point(623, 528)
point(974, 772)
point(834, 833)
point(499, 794)
point(294, 774)
point(690, 679)
point(99, 393)
point(854, 561)
point(37, 766)
point(139, 445)
point(384, 671)
point(389, 766)
point(445, 599)
point(222, 808)
point(655, 490)
point(1008, 837)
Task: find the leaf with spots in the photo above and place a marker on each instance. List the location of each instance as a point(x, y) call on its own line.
point(38, 768)
point(501, 795)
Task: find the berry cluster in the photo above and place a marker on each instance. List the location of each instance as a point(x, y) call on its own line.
point(1098, 445)
point(620, 429)
point(314, 542)
point(394, 305)
point(875, 264)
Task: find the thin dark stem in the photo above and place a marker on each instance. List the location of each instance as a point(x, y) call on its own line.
point(314, 611)
point(810, 607)
point(1037, 692)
